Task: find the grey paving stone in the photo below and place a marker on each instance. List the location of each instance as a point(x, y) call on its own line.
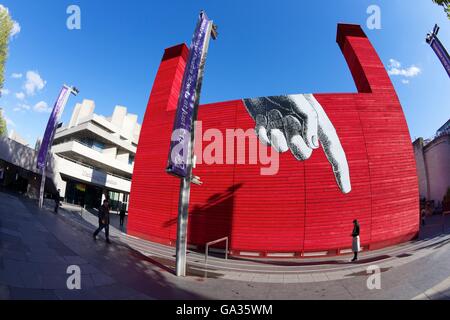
point(31, 280)
point(134, 276)
point(45, 258)
point(90, 269)
point(305, 278)
point(8, 231)
point(102, 279)
point(52, 269)
point(4, 292)
point(13, 255)
point(83, 294)
point(54, 282)
point(6, 238)
point(32, 294)
point(141, 296)
point(116, 292)
point(86, 281)
point(290, 278)
point(11, 278)
point(319, 277)
point(75, 260)
point(17, 265)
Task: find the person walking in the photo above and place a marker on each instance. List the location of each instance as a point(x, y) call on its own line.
point(356, 244)
point(122, 214)
point(103, 220)
point(57, 200)
point(423, 215)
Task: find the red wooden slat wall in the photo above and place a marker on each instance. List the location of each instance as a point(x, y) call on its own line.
point(301, 208)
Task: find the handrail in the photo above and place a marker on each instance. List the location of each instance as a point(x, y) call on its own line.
point(215, 242)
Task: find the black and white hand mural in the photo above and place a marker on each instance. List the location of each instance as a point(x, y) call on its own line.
point(299, 123)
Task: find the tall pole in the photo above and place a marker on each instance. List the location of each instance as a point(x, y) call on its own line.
point(49, 135)
point(186, 177)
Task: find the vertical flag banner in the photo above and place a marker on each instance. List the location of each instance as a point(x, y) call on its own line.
point(439, 49)
point(51, 126)
point(188, 100)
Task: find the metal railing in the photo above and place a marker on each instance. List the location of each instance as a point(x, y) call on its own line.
point(216, 242)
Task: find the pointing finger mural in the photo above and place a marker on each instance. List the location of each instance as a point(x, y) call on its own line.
point(299, 123)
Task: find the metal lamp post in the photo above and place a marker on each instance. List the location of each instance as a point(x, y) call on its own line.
point(181, 164)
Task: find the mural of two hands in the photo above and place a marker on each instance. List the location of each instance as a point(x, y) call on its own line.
point(299, 123)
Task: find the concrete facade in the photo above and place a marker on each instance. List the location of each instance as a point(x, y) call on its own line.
point(433, 166)
point(93, 150)
point(18, 167)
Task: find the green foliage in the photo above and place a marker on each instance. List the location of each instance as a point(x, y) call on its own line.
point(3, 128)
point(6, 25)
point(445, 4)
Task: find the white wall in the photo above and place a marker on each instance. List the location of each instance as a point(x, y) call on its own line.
point(86, 174)
point(89, 153)
point(437, 160)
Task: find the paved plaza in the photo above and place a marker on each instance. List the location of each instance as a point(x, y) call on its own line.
point(38, 246)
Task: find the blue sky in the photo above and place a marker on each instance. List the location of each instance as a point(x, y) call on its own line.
point(264, 48)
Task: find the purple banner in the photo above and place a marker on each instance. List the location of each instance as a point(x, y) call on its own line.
point(441, 52)
point(189, 97)
point(51, 126)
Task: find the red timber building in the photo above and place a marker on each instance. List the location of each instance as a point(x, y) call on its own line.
point(300, 211)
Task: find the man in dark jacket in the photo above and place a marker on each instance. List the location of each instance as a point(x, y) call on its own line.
point(57, 200)
point(122, 213)
point(103, 220)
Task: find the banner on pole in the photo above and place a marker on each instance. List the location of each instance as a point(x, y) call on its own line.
point(188, 100)
point(439, 49)
point(51, 127)
point(442, 54)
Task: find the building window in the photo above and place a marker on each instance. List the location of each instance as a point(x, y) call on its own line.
point(93, 144)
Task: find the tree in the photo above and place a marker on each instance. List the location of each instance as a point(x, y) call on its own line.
point(3, 128)
point(445, 4)
point(6, 25)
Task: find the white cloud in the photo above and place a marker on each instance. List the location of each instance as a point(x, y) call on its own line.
point(5, 92)
point(395, 69)
point(15, 29)
point(17, 75)
point(21, 107)
point(42, 107)
point(404, 81)
point(394, 63)
point(33, 83)
point(20, 95)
